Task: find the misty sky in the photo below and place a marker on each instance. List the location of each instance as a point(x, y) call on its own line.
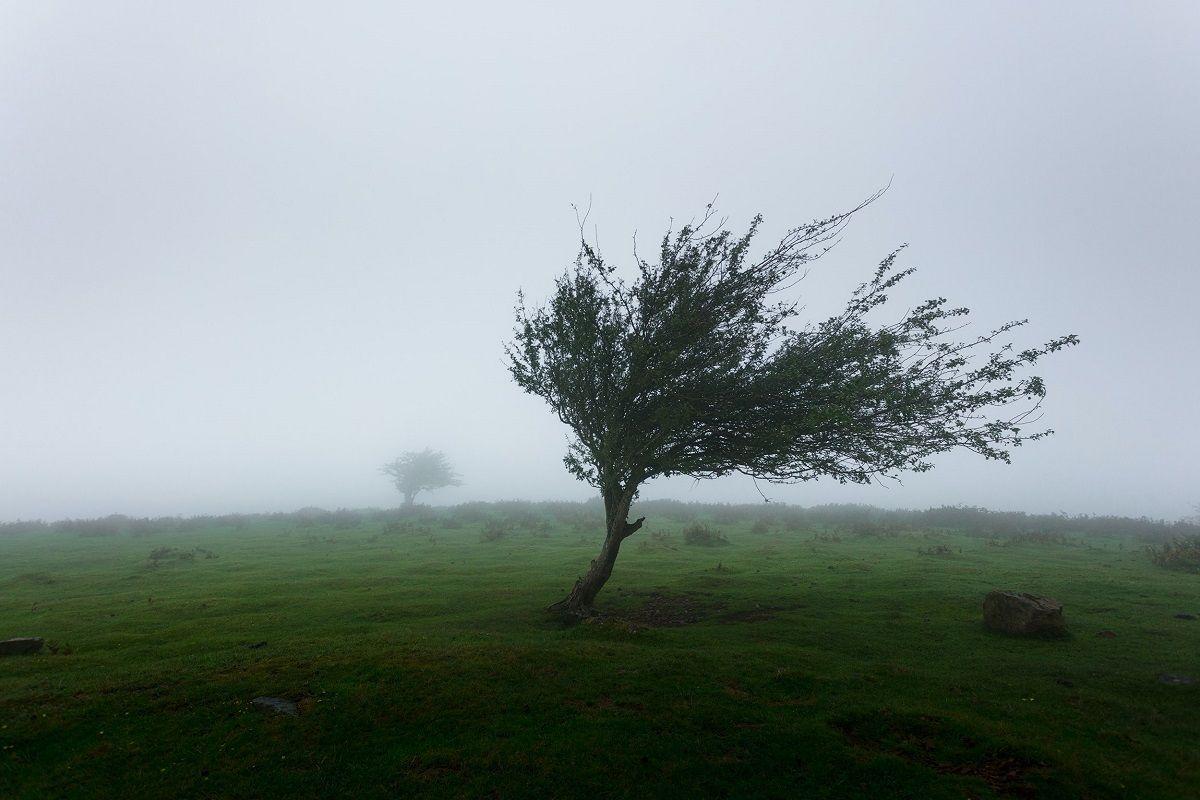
point(251, 251)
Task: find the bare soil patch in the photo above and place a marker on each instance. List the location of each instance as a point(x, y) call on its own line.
point(661, 609)
point(943, 746)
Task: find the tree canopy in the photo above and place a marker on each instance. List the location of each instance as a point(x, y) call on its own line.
point(695, 367)
point(420, 470)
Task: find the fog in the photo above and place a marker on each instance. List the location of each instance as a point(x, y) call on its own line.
point(250, 252)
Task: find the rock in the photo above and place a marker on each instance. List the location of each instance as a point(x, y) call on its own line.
point(256, 645)
point(22, 646)
point(277, 704)
point(1175, 680)
point(1185, 616)
point(1023, 614)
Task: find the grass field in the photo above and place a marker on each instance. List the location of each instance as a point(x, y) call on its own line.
point(788, 663)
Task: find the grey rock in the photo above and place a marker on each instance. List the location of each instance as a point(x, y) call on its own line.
point(1023, 614)
point(21, 646)
point(1176, 680)
point(277, 704)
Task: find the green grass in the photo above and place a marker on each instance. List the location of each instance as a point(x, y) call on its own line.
point(427, 668)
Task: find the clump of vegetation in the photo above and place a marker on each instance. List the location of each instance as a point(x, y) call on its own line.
point(161, 554)
point(795, 523)
point(703, 536)
point(344, 519)
point(1041, 537)
point(406, 528)
point(828, 538)
point(867, 528)
point(494, 530)
point(22, 526)
point(1181, 554)
point(936, 550)
point(310, 517)
point(108, 526)
point(761, 527)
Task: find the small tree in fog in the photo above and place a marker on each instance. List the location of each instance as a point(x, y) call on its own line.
point(418, 471)
point(694, 368)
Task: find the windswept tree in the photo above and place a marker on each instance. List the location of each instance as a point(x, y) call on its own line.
point(418, 471)
point(693, 367)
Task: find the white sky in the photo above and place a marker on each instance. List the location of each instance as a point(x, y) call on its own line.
point(249, 252)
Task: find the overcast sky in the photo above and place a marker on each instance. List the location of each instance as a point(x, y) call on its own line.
point(251, 251)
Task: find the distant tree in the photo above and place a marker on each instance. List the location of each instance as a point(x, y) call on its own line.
point(693, 369)
point(418, 471)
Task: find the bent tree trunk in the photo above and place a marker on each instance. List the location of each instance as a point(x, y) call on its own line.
point(578, 603)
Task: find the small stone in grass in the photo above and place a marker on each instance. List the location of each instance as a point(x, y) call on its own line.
point(1176, 680)
point(277, 704)
point(1185, 616)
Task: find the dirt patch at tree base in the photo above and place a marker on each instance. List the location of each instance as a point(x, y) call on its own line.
point(664, 610)
point(661, 609)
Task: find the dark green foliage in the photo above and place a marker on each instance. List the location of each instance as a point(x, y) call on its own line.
point(695, 368)
point(418, 471)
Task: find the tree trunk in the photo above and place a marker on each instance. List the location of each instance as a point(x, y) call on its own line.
point(409, 497)
point(578, 603)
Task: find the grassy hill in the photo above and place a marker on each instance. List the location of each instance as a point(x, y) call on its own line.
point(810, 656)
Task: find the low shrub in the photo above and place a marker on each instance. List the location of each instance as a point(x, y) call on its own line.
point(1181, 554)
point(703, 536)
point(494, 530)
